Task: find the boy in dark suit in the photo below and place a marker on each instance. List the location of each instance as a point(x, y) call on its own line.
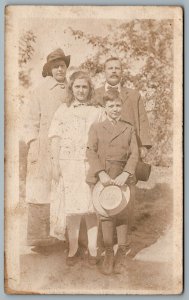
point(112, 153)
point(133, 111)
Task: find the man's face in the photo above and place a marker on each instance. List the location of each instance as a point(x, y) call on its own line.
point(113, 109)
point(59, 69)
point(113, 72)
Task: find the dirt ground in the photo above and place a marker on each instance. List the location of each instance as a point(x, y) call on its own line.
point(148, 266)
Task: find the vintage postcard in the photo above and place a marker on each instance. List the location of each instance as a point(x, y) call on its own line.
point(93, 150)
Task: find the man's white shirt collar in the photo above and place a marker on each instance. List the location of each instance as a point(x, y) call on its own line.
point(114, 122)
point(53, 83)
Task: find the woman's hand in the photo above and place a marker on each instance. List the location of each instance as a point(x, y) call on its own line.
point(104, 178)
point(121, 179)
point(56, 172)
point(33, 151)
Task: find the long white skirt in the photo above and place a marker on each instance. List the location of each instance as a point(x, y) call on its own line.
point(71, 196)
point(77, 192)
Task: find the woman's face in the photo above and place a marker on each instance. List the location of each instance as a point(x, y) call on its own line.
point(59, 69)
point(80, 90)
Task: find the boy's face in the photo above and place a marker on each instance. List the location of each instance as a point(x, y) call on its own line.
point(113, 109)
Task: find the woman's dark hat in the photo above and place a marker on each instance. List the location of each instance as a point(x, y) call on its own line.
point(55, 55)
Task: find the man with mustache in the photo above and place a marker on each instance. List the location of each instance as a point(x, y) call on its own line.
point(133, 111)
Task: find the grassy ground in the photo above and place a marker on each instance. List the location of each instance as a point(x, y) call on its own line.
point(153, 216)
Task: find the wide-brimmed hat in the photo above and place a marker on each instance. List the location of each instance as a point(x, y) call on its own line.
point(56, 54)
point(111, 200)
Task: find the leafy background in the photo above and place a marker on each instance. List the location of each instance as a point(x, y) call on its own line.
point(145, 48)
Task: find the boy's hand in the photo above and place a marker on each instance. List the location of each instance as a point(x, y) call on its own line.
point(143, 152)
point(104, 178)
point(56, 172)
point(121, 179)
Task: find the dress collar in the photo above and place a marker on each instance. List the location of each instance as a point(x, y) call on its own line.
point(76, 103)
point(53, 83)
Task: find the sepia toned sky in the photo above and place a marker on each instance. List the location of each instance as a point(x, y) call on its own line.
point(54, 33)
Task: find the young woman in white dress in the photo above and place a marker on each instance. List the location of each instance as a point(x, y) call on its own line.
point(69, 133)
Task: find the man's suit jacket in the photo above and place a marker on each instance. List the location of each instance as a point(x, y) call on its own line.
point(133, 111)
point(112, 148)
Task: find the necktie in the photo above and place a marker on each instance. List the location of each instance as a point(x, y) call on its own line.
point(112, 88)
point(82, 104)
point(78, 104)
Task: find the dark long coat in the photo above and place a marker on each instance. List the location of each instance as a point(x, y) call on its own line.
point(133, 111)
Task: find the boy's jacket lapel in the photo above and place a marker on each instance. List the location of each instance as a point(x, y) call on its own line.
point(114, 131)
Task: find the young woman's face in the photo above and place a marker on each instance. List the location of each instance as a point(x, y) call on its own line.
point(80, 90)
point(59, 69)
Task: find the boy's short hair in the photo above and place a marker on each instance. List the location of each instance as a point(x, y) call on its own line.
point(111, 95)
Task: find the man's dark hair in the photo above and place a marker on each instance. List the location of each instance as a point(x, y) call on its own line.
point(110, 59)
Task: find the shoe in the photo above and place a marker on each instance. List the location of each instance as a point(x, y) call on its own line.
point(107, 265)
point(72, 260)
point(42, 250)
point(119, 265)
point(49, 249)
point(43, 242)
point(92, 260)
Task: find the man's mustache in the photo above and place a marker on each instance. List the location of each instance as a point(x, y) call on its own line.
point(114, 76)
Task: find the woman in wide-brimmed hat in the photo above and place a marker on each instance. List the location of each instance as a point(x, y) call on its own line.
point(44, 102)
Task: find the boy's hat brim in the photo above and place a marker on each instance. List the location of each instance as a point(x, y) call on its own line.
point(111, 200)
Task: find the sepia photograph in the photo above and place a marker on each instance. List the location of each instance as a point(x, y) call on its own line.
point(93, 150)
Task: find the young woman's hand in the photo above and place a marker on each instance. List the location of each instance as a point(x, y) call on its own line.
point(104, 178)
point(56, 172)
point(33, 151)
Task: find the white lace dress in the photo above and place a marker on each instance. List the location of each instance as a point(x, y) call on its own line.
point(71, 125)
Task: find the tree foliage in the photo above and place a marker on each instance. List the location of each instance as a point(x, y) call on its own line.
point(26, 51)
point(146, 50)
